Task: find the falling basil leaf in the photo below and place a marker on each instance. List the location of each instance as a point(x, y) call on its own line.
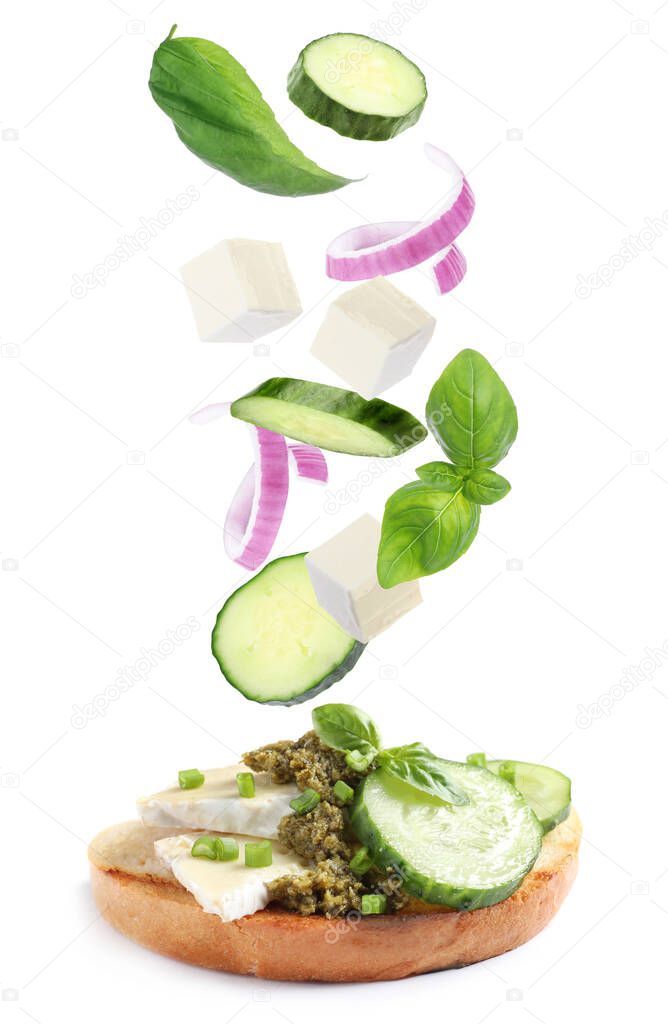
point(220, 115)
point(442, 473)
point(471, 413)
point(485, 487)
point(425, 529)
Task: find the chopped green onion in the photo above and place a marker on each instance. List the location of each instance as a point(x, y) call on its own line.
point(480, 760)
point(357, 761)
point(374, 903)
point(227, 848)
point(361, 862)
point(190, 778)
point(258, 855)
point(205, 846)
point(507, 771)
point(246, 784)
point(215, 848)
point(305, 802)
point(343, 792)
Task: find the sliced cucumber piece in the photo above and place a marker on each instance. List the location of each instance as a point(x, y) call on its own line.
point(464, 856)
point(274, 642)
point(547, 791)
point(331, 418)
point(358, 86)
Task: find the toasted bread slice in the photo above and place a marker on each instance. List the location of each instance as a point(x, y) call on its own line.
point(139, 896)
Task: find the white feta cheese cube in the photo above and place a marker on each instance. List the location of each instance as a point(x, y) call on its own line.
point(240, 290)
point(343, 574)
point(372, 336)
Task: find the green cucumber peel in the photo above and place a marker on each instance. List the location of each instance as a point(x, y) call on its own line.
point(431, 522)
point(350, 730)
point(221, 116)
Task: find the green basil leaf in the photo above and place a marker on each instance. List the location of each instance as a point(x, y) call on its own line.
point(347, 728)
point(471, 413)
point(219, 114)
point(442, 473)
point(415, 765)
point(484, 486)
point(425, 529)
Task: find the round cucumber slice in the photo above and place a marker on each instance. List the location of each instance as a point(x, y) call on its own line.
point(357, 86)
point(275, 644)
point(464, 856)
point(331, 418)
point(547, 791)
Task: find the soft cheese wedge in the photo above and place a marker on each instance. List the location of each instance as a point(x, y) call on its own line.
point(217, 806)
point(226, 888)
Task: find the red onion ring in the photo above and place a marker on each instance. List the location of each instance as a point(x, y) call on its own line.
point(257, 508)
point(373, 250)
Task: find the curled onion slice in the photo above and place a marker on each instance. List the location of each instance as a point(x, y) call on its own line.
point(256, 511)
point(373, 250)
point(257, 508)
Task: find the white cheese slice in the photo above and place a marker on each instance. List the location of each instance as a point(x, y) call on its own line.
point(240, 290)
point(372, 336)
point(343, 574)
point(216, 804)
point(227, 888)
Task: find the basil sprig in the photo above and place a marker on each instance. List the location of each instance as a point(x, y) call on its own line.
point(429, 523)
point(350, 730)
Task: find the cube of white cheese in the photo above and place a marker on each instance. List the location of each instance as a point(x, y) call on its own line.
point(226, 888)
point(343, 574)
point(372, 336)
point(216, 804)
point(240, 290)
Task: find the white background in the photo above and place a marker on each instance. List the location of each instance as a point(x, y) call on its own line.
point(111, 516)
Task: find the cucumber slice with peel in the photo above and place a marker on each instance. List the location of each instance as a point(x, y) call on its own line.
point(275, 644)
point(546, 790)
point(357, 86)
point(331, 418)
point(463, 856)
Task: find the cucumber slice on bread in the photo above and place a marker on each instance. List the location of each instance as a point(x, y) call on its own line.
point(357, 86)
point(274, 642)
point(331, 418)
point(547, 791)
point(463, 856)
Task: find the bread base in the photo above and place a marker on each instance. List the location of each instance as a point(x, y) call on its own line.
point(274, 943)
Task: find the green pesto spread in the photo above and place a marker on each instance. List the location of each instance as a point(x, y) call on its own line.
point(321, 836)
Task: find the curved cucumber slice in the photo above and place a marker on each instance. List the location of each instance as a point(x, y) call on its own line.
point(331, 418)
point(547, 791)
point(464, 856)
point(358, 86)
point(274, 642)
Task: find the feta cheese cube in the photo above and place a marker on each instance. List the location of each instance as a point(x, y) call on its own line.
point(240, 290)
point(372, 336)
point(343, 574)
